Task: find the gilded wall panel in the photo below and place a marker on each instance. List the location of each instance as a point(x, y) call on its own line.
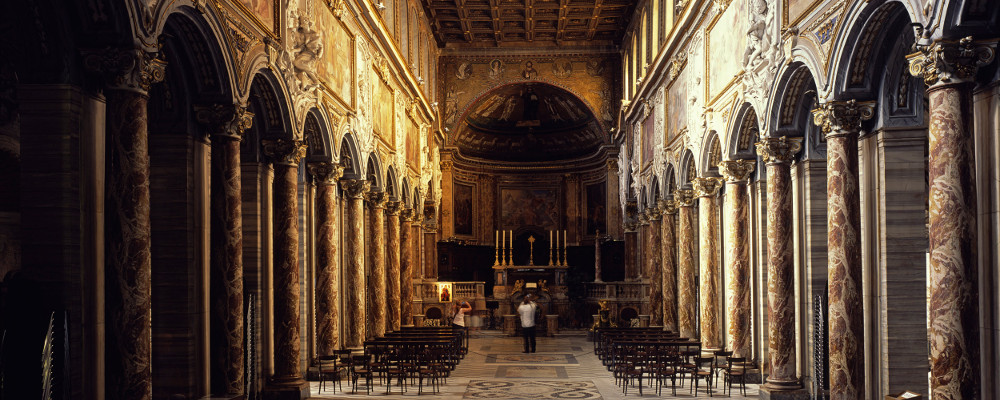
point(383, 113)
point(724, 49)
point(263, 12)
point(337, 69)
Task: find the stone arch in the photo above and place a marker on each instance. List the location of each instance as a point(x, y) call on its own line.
point(373, 173)
point(318, 136)
point(745, 132)
point(791, 108)
point(711, 155)
point(391, 186)
point(350, 157)
point(688, 170)
point(272, 116)
point(654, 191)
point(669, 181)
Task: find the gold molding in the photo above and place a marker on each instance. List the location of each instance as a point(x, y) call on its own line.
point(275, 31)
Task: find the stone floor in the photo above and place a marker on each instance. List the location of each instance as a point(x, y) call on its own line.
point(563, 367)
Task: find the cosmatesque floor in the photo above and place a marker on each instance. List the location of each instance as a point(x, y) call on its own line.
point(563, 367)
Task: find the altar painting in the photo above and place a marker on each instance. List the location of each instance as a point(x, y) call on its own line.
point(337, 69)
point(529, 207)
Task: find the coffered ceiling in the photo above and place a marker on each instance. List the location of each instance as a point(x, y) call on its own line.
point(496, 23)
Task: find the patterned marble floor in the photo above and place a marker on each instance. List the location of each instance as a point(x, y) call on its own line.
point(562, 368)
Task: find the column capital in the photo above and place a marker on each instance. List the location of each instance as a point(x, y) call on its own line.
point(737, 171)
point(950, 61)
point(393, 207)
point(406, 215)
point(684, 198)
point(224, 120)
point(612, 164)
point(377, 199)
point(841, 118)
point(446, 165)
point(653, 213)
point(325, 173)
point(668, 207)
point(706, 187)
point(355, 188)
point(126, 69)
point(779, 150)
point(284, 151)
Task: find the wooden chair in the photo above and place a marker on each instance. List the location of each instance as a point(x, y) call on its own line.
point(736, 368)
point(328, 366)
point(702, 372)
point(361, 367)
point(719, 364)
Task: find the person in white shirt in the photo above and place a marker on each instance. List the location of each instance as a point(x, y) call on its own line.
point(527, 309)
point(460, 309)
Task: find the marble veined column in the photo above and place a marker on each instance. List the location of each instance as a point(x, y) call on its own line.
point(631, 241)
point(285, 154)
point(406, 267)
point(326, 175)
point(778, 154)
point(653, 248)
point(736, 174)
point(129, 74)
point(225, 125)
point(841, 123)
point(687, 300)
point(949, 69)
point(669, 271)
point(354, 263)
point(376, 276)
point(707, 190)
point(392, 280)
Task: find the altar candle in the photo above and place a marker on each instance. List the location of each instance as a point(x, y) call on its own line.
point(497, 241)
point(550, 240)
point(564, 239)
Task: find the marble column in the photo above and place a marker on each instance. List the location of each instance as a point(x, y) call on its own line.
point(354, 262)
point(376, 275)
point(406, 267)
point(653, 248)
point(129, 74)
point(949, 69)
point(631, 241)
point(641, 244)
point(841, 123)
point(736, 173)
point(225, 125)
point(326, 175)
point(392, 281)
point(669, 270)
point(778, 154)
point(707, 190)
point(285, 154)
point(687, 300)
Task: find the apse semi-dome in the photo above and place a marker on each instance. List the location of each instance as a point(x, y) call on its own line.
point(529, 122)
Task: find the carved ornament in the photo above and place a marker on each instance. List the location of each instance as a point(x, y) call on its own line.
point(684, 198)
point(393, 207)
point(737, 170)
point(779, 150)
point(668, 207)
point(376, 199)
point(950, 62)
point(325, 173)
point(284, 151)
point(131, 69)
point(224, 120)
point(839, 118)
point(355, 188)
point(706, 187)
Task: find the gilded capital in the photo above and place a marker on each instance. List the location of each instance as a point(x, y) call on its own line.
point(355, 188)
point(737, 170)
point(840, 118)
point(325, 173)
point(376, 199)
point(706, 187)
point(224, 120)
point(612, 164)
point(284, 151)
point(684, 198)
point(446, 165)
point(668, 207)
point(393, 207)
point(654, 213)
point(126, 69)
point(779, 150)
point(949, 61)
point(406, 215)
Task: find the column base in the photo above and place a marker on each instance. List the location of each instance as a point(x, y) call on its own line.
point(768, 391)
point(287, 391)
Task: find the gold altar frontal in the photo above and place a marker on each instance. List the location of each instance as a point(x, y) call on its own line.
point(516, 280)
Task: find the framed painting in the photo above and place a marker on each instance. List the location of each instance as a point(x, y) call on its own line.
point(724, 47)
point(677, 96)
point(264, 13)
point(463, 208)
point(596, 208)
point(337, 69)
point(444, 292)
point(520, 207)
point(413, 144)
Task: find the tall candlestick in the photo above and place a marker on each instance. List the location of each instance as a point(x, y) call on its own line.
point(497, 239)
point(550, 240)
point(564, 263)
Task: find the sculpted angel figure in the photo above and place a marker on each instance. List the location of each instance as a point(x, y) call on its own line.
point(757, 38)
point(308, 49)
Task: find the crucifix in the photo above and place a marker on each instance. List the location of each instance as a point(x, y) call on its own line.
point(531, 250)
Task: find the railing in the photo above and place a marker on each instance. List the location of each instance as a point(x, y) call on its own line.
point(618, 291)
point(470, 291)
